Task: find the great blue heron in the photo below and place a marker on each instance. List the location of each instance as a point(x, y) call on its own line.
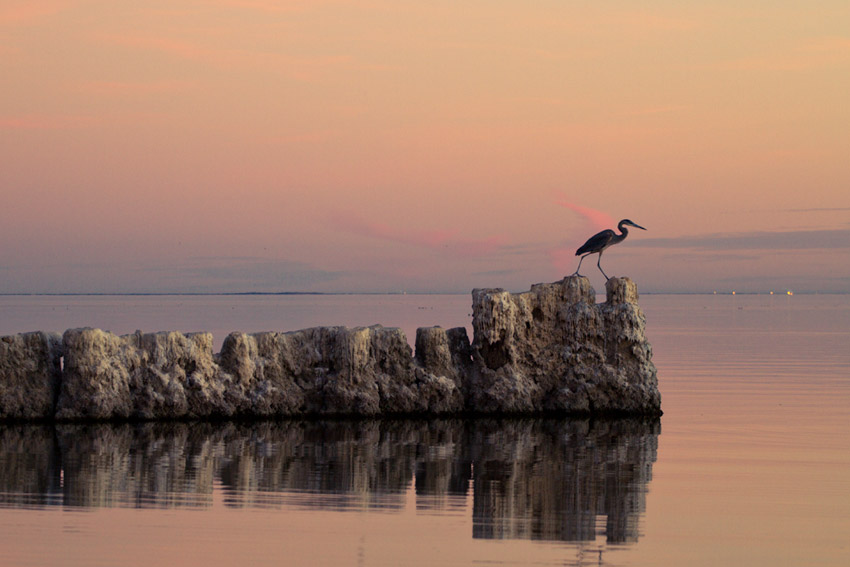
point(597, 243)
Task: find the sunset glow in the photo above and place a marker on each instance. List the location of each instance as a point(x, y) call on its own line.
point(189, 146)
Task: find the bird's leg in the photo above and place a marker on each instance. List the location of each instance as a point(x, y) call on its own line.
point(599, 265)
point(579, 263)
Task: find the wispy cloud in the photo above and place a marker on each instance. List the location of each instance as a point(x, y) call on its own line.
point(235, 273)
point(17, 13)
point(817, 53)
point(712, 256)
point(663, 109)
point(45, 122)
point(597, 220)
point(496, 272)
point(207, 274)
point(297, 67)
point(757, 240)
point(748, 212)
point(820, 210)
point(270, 7)
point(120, 88)
point(649, 22)
point(447, 241)
point(562, 257)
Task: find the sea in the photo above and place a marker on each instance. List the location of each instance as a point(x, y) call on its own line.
point(749, 464)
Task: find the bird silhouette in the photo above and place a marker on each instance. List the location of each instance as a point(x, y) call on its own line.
point(600, 241)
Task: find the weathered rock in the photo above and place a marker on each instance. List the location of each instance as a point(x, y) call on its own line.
point(630, 380)
point(554, 349)
point(318, 370)
point(144, 376)
point(549, 349)
point(96, 377)
point(334, 370)
point(443, 359)
point(177, 376)
point(30, 372)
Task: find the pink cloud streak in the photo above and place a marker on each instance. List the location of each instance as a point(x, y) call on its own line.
point(433, 239)
point(562, 258)
point(596, 219)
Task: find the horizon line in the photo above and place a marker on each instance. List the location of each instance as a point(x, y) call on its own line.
point(784, 291)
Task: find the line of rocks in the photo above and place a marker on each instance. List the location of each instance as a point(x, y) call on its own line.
point(549, 349)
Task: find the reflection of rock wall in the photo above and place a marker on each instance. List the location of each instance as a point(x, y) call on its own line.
point(550, 349)
point(146, 465)
point(29, 465)
point(538, 479)
point(552, 480)
point(444, 471)
point(340, 465)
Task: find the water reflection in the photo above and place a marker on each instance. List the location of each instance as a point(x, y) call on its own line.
point(564, 480)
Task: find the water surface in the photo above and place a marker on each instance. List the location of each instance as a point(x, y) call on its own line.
point(750, 464)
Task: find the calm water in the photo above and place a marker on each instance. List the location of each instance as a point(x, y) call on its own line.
point(750, 464)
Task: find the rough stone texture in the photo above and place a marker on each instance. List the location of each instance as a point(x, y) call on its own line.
point(96, 377)
point(144, 376)
point(554, 349)
point(443, 360)
point(549, 349)
point(334, 370)
point(30, 372)
point(177, 376)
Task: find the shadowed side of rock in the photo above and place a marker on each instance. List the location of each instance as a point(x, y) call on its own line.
point(30, 374)
point(630, 378)
point(443, 362)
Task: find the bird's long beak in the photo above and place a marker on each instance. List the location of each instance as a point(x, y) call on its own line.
point(638, 226)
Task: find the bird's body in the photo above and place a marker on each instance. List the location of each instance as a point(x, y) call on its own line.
point(600, 241)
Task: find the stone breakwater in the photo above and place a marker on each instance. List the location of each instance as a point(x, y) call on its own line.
point(551, 349)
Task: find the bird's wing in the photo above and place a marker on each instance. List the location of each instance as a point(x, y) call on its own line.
point(596, 242)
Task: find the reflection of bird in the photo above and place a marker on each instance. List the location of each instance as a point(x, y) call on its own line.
point(597, 243)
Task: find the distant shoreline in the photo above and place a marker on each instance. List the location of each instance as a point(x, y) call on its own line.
point(370, 293)
point(224, 293)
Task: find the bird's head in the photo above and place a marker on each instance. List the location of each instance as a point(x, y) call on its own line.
point(630, 223)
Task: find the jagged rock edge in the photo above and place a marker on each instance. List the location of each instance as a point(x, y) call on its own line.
point(551, 349)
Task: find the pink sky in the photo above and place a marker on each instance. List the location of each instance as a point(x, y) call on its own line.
point(421, 146)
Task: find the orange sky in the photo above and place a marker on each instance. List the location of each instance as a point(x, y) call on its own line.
point(423, 146)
